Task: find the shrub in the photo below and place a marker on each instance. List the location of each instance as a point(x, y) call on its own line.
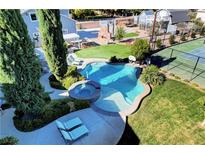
point(19, 114)
point(159, 43)
point(183, 37)
point(52, 111)
point(120, 33)
point(164, 71)
point(193, 35)
point(71, 77)
point(195, 84)
point(82, 13)
point(202, 32)
point(54, 83)
point(172, 74)
point(114, 59)
point(171, 39)
point(188, 81)
point(5, 106)
point(151, 75)
point(81, 104)
point(140, 48)
point(10, 140)
point(177, 77)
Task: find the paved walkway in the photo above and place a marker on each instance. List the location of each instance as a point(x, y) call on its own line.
point(103, 129)
point(54, 93)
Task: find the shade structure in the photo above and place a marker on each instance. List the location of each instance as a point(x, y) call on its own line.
point(72, 37)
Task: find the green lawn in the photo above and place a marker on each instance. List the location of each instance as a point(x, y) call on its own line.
point(105, 51)
point(130, 35)
point(170, 115)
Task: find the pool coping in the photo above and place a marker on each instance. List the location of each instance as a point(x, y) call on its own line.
point(92, 97)
point(138, 99)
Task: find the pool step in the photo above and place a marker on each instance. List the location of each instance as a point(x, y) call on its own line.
point(128, 101)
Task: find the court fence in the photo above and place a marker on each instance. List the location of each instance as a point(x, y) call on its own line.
point(186, 64)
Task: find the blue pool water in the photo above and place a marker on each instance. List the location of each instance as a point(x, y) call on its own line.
point(84, 90)
point(120, 78)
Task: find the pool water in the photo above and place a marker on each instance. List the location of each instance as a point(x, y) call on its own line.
point(120, 78)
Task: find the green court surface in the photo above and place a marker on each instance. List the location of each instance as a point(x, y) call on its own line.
point(182, 59)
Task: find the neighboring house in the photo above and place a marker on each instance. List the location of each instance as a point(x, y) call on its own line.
point(31, 20)
point(201, 14)
point(145, 19)
point(169, 18)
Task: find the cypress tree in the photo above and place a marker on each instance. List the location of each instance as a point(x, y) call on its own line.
point(52, 41)
point(19, 63)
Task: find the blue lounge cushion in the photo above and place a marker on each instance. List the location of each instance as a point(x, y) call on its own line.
point(60, 125)
point(66, 136)
point(78, 132)
point(70, 124)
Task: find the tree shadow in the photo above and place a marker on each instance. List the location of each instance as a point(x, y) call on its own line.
point(161, 61)
point(129, 137)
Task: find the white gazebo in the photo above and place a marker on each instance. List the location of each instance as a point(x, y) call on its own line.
point(73, 38)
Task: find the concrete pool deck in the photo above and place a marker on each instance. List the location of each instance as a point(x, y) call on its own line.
point(104, 129)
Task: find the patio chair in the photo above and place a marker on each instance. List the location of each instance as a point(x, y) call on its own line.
point(70, 124)
point(71, 136)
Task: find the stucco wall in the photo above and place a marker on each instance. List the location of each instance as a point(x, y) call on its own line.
point(68, 25)
point(201, 15)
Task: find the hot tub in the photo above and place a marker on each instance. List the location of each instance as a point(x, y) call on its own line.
point(85, 90)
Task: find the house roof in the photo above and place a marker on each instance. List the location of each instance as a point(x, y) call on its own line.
point(178, 15)
point(24, 10)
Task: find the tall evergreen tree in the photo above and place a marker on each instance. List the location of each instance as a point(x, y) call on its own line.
point(52, 41)
point(19, 62)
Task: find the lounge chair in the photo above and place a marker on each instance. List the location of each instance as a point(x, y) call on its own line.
point(70, 124)
point(72, 62)
point(71, 136)
point(75, 58)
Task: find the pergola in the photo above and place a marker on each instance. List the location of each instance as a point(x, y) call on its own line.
point(72, 38)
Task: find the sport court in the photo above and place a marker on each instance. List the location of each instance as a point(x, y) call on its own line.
point(185, 60)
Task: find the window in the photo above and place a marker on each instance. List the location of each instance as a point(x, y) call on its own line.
point(33, 16)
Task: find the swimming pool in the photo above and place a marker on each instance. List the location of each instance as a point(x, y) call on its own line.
point(118, 83)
